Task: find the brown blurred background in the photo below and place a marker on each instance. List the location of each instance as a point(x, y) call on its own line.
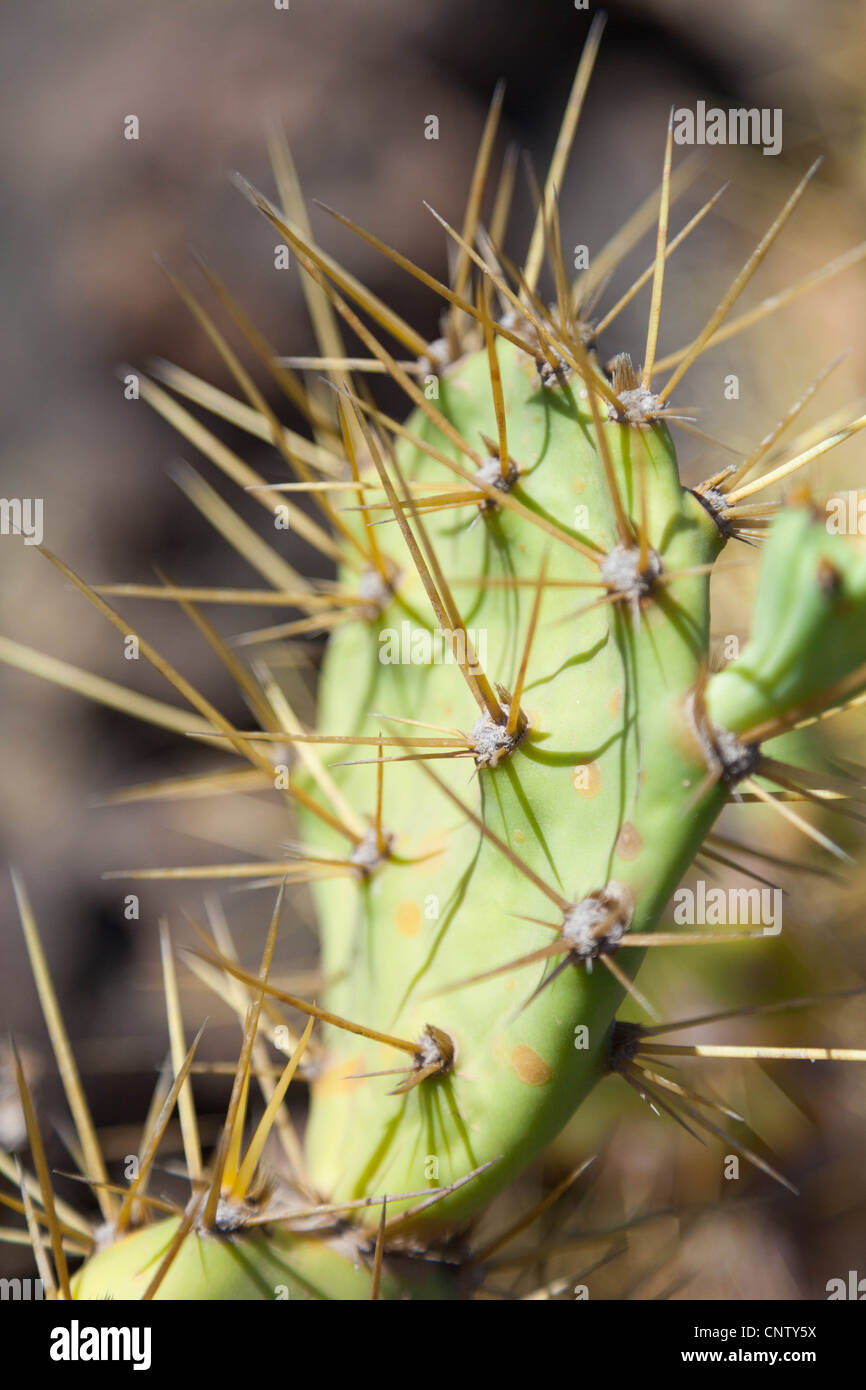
point(83, 210)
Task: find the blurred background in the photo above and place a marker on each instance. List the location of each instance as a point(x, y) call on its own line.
point(83, 210)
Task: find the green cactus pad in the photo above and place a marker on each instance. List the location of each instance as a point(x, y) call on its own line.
point(809, 631)
point(245, 1267)
point(595, 793)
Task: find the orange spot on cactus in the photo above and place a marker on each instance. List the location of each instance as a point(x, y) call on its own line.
point(615, 703)
point(578, 485)
point(518, 835)
point(629, 843)
point(435, 842)
point(408, 918)
point(529, 1066)
point(333, 1082)
point(586, 780)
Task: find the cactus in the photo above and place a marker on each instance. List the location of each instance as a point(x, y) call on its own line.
point(519, 751)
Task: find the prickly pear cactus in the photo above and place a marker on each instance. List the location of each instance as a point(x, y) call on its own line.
point(519, 751)
point(581, 826)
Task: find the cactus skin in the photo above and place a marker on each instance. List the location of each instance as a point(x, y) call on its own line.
point(250, 1268)
point(808, 631)
point(603, 690)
